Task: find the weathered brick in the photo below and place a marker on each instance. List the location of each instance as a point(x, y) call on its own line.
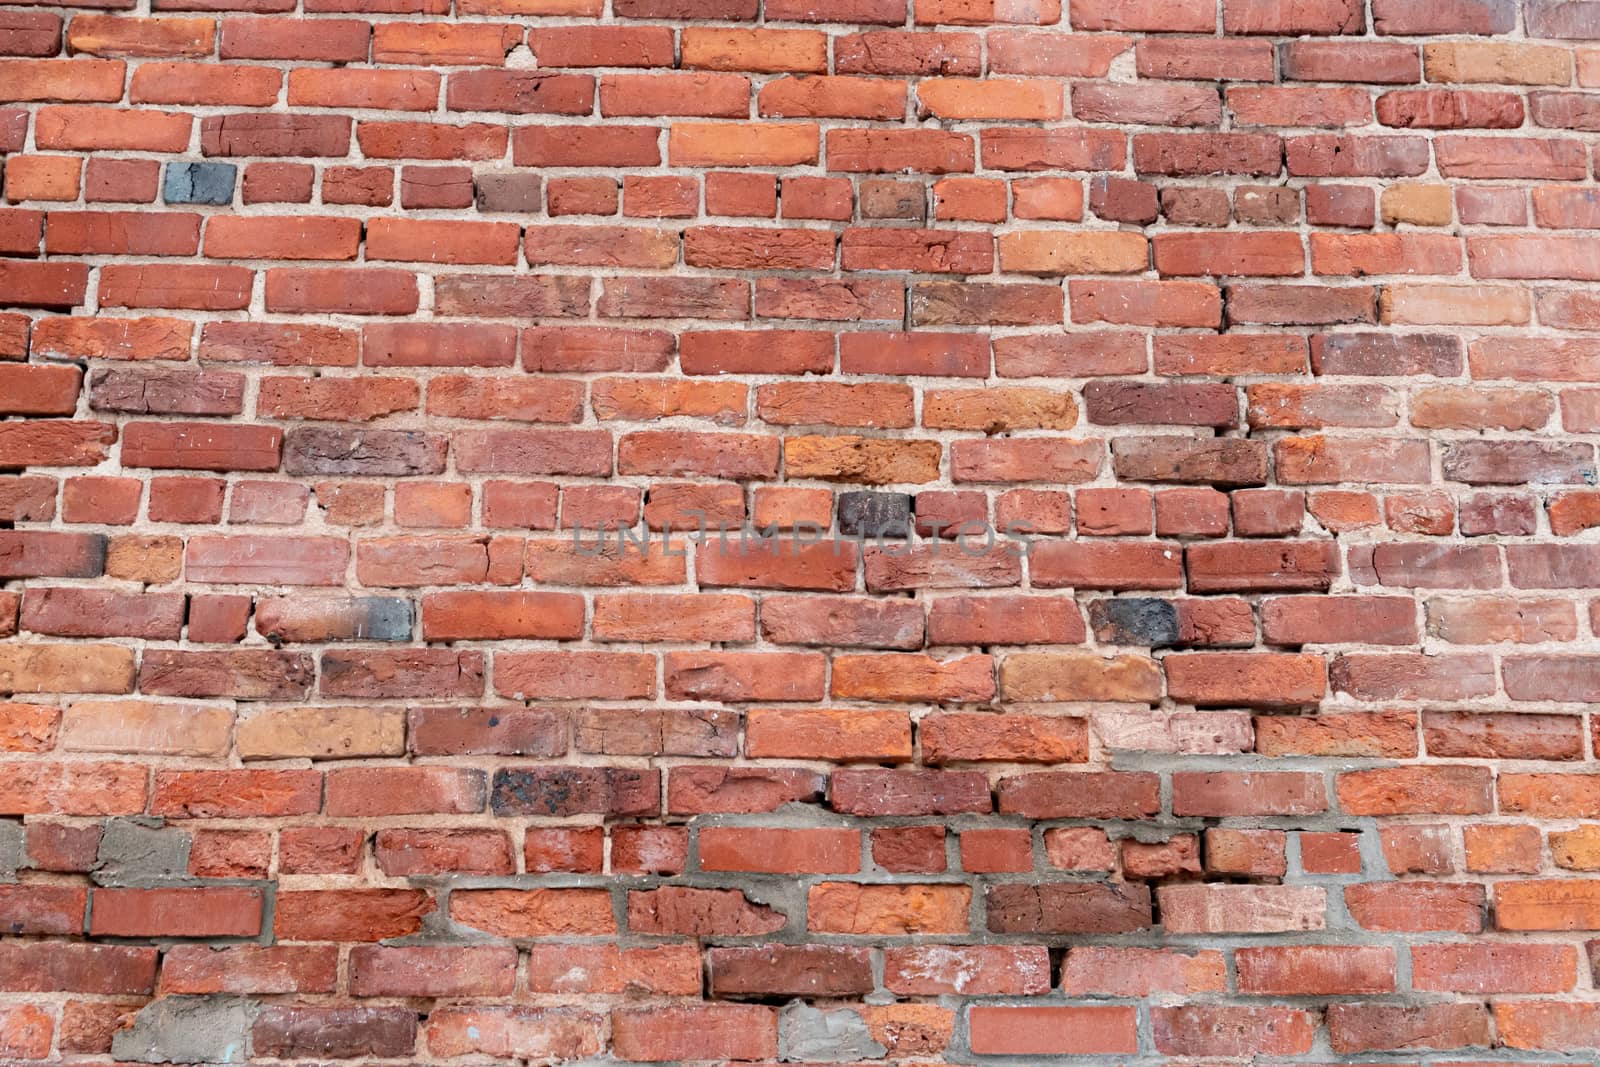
point(888, 692)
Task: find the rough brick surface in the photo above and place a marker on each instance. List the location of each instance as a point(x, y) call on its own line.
point(917, 531)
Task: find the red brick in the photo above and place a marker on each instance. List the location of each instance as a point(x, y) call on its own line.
point(668, 969)
point(40, 967)
point(809, 970)
point(206, 912)
point(1362, 1027)
point(1416, 906)
point(1215, 909)
point(971, 970)
point(777, 851)
point(1493, 968)
point(349, 914)
point(340, 291)
point(1053, 1031)
point(1256, 679)
point(708, 1031)
point(184, 286)
point(236, 793)
point(202, 969)
point(433, 971)
point(581, 850)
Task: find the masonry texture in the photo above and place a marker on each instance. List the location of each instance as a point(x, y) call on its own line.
point(1253, 346)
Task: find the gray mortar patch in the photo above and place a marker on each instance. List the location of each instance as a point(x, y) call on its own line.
point(141, 851)
point(188, 1030)
point(387, 618)
point(11, 850)
point(812, 1035)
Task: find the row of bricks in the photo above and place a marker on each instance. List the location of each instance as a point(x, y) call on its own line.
point(742, 194)
point(1232, 254)
point(675, 969)
point(53, 389)
point(50, 388)
point(843, 96)
point(740, 559)
point(589, 349)
point(744, 1033)
point(303, 849)
point(878, 52)
point(1228, 461)
point(730, 618)
point(112, 500)
point(64, 284)
point(754, 195)
point(1553, 19)
point(157, 728)
point(347, 40)
point(777, 970)
point(60, 908)
point(1203, 679)
point(580, 349)
point(90, 128)
point(875, 909)
point(725, 95)
point(40, 787)
point(819, 735)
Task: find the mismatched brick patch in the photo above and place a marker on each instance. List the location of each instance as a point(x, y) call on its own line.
point(808, 531)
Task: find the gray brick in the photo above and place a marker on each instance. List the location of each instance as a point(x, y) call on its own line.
point(874, 514)
point(199, 183)
point(1134, 621)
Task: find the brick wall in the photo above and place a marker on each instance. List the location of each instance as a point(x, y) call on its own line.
point(1262, 336)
